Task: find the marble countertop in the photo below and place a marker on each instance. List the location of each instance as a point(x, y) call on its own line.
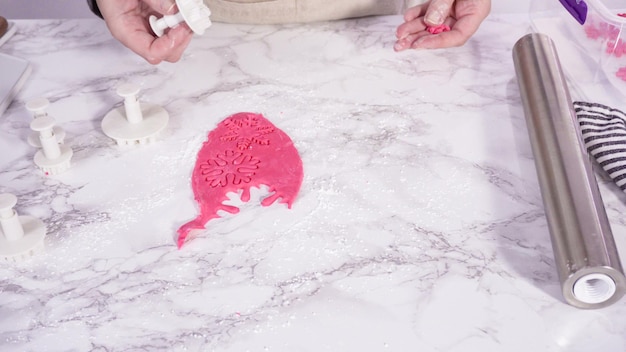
point(419, 225)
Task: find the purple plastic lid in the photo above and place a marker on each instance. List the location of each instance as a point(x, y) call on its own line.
point(577, 8)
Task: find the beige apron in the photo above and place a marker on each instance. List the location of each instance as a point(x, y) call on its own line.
point(290, 11)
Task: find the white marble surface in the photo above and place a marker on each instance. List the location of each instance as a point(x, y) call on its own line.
point(419, 226)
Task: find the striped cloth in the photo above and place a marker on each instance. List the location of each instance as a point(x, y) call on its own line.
point(603, 131)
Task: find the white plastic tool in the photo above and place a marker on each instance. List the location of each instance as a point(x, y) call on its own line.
point(193, 12)
point(53, 158)
point(135, 122)
point(38, 108)
point(21, 237)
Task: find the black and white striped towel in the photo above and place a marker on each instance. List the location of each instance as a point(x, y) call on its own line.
point(603, 131)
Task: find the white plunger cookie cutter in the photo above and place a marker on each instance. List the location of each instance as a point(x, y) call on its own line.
point(135, 122)
point(193, 12)
point(53, 158)
point(38, 108)
point(21, 237)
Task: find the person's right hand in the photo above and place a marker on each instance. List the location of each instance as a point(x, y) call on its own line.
point(128, 22)
point(462, 16)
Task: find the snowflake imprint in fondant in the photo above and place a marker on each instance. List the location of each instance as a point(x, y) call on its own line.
point(246, 131)
point(232, 167)
point(245, 150)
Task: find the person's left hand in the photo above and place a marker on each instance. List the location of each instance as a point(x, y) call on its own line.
point(462, 16)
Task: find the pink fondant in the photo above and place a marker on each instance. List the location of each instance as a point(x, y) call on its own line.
point(621, 73)
point(244, 151)
point(609, 34)
point(438, 29)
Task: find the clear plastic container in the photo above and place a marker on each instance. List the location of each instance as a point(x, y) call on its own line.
point(593, 54)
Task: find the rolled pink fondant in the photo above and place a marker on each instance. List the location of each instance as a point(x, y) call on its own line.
point(245, 150)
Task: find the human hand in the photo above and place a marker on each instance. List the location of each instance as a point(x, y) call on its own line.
point(128, 22)
point(462, 16)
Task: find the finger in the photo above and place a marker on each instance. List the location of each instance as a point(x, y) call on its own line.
point(147, 46)
point(414, 12)
point(443, 40)
point(460, 32)
point(180, 36)
point(409, 28)
point(153, 49)
point(408, 41)
point(404, 43)
point(437, 12)
point(165, 7)
point(169, 47)
point(132, 32)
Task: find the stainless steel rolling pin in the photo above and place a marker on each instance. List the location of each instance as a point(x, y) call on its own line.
point(585, 253)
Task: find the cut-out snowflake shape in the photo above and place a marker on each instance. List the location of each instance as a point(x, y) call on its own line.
point(246, 131)
point(231, 167)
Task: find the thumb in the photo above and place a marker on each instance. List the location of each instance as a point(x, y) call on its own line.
point(165, 7)
point(437, 12)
